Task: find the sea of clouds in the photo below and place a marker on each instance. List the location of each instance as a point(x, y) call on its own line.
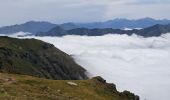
point(140, 65)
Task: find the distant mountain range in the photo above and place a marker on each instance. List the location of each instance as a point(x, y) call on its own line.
point(124, 23)
point(36, 27)
point(155, 30)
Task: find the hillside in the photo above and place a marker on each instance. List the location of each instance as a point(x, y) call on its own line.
point(36, 58)
point(21, 87)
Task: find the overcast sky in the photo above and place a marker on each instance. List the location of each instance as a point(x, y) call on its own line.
point(59, 11)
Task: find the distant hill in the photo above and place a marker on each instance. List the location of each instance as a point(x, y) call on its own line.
point(124, 23)
point(36, 58)
point(31, 27)
point(155, 30)
point(34, 27)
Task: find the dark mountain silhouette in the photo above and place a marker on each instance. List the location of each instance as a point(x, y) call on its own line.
point(155, 30)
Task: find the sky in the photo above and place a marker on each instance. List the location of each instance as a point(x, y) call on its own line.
point(60, 11)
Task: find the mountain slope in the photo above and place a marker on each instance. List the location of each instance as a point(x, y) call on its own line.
point(19, 87)
point(36, 58)
point(31, 27)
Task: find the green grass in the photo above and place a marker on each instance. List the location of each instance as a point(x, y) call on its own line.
point(30, 88)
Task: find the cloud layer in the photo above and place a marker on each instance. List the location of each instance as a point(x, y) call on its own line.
point(134, 63)
point(58, 11)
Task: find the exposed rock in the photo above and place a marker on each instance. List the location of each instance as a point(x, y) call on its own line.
point(100, 79)
point(72, 83)
point(129, 95)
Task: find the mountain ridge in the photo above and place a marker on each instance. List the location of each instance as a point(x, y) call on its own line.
point(31, 27)
point(121, 23)
point(42, 26)
point(155, 30)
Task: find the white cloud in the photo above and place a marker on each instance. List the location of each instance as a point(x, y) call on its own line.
point(134, 63)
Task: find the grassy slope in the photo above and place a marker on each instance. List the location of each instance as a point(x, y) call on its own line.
point(20, 87)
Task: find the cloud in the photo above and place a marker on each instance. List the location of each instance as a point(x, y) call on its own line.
point(134, 63)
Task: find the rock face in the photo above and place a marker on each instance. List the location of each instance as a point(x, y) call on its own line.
point(37, 58)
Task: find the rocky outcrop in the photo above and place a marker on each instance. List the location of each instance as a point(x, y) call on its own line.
point(112, 87)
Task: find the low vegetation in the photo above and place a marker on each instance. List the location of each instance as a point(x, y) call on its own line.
point(21, 87)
